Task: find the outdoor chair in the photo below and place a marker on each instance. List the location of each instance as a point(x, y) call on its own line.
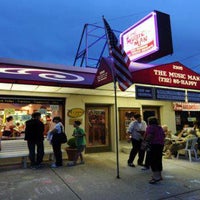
point(190, 148)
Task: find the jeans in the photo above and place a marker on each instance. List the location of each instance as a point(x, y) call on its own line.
point(36, 160)
point(57, 152)
point(136, 148)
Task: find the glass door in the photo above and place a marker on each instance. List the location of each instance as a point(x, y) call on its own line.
point(97, 128)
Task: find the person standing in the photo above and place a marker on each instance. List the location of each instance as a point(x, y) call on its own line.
point(79, 135)
point(55, 141)
point(155, 137)
point(34, 130)
point(136, 132)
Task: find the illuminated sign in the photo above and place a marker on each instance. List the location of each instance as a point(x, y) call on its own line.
point(148, 39)
point(169, 75)
point(184, 106)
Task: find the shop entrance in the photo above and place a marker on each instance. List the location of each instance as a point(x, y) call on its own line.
point(149, 111)
point(97, 128)
point(125, 117)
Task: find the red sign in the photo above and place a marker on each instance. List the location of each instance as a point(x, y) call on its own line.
point(104, 74)
point(170, 75)
point(181, 106)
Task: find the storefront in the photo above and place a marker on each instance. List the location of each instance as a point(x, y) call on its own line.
point(98, 105)
point(186, 113)
point(21, 108)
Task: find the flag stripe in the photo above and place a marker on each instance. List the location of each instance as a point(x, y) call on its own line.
point(120, 59)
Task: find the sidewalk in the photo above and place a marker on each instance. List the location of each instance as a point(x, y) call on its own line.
point(96, 180)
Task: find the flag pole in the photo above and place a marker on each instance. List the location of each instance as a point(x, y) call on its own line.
point(116, 127)
point(120, 74)
point(116, 118)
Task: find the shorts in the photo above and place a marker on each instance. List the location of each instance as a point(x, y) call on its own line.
point(81, 148)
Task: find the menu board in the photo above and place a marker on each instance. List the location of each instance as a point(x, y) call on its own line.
point(193, 96)
point(143, 92)
point(153, 93)
point(170, 95)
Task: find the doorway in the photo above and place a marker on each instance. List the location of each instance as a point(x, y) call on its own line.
point(97, 128)
point(125, 117)
point(149, 111)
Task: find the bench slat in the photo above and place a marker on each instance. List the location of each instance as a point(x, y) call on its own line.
point(19, 148)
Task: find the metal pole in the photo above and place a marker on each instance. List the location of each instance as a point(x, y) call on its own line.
point(116, 127)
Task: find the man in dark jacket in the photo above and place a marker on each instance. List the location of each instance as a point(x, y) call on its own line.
point(34, 134)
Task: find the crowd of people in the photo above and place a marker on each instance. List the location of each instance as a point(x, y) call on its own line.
point(35, 133)
point(155, 141)
point(149, 140)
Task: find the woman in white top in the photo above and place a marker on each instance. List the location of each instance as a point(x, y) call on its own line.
point(55, 141)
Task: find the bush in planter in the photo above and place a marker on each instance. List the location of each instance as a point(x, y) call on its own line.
point(72, 143)
point(71, 149)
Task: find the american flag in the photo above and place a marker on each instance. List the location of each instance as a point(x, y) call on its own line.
point(121, 60)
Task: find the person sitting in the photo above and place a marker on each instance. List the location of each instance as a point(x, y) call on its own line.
point(179, 144)
point(184, 132)
point(168, 137)
point(196, 127)
point(17, 130)
point(9, 126)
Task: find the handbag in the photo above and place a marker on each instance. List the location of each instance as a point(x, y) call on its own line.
point(59, 137)
point(62, 137)
point(145, 145)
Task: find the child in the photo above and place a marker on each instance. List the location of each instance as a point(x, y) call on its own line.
point(79, 134)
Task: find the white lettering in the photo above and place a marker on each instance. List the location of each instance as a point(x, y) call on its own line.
point(160, 72)
point(177, 67)
point(193, 78)
point(177, 75)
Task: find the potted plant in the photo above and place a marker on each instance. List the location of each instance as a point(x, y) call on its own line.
point(71, 149)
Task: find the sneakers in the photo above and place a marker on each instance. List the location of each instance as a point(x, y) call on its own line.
point(131, 165)
point(55, 166)
point(153, 181)
point(145, 168)
point(71, 164)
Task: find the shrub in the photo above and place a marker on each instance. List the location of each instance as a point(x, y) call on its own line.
point(72, 143)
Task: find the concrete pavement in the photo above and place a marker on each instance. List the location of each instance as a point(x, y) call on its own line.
point(96, 180)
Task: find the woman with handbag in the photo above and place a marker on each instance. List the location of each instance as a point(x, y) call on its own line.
point(155, 139)
point(54, 137)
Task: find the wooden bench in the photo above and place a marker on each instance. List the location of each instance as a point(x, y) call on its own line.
point(19, 148)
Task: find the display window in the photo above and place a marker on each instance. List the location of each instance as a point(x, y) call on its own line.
point(186, 117)
point(20, 109)
point(97, 123)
